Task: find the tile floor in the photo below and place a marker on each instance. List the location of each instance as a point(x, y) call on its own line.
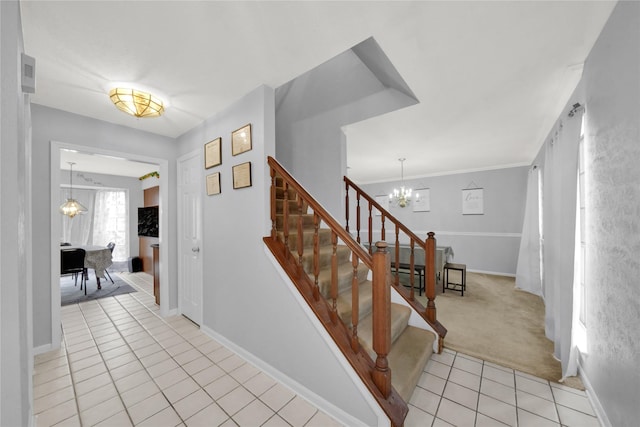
point(121, 365)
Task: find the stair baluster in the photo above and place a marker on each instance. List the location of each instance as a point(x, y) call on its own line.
point(274, 205)
point(285, 225)
point(300, 241)
point(316, 256)
point(334, 277)
point(355, 303)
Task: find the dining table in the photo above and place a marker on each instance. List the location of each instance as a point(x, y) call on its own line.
point(97, 258)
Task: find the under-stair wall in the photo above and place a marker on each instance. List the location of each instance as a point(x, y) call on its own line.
point(246, 302)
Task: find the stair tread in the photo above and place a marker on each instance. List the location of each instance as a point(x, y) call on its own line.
point(399, 321)
point(408, 357)
point(345, 275)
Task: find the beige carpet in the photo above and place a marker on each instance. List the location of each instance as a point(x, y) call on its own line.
point(496, 322)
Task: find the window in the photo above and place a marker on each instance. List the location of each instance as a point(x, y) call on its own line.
point(581, 292)
point(111, 222)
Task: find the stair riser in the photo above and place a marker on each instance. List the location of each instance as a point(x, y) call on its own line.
point(325, 256)
point(307, 222)
point(344, 279)
point(293, 207)
point(324, 239)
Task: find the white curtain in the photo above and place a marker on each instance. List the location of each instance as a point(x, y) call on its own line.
point(559, 222)
point(528, 270)
point(77, 230)
point(110, 222)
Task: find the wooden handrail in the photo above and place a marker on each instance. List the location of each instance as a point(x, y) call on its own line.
point(375, 375)
point(428, 313)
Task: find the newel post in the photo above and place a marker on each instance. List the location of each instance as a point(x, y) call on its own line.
point(430, 263)
point(381, 318)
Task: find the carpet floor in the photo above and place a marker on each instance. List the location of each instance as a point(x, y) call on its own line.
point(71, 294)
point(498, 323)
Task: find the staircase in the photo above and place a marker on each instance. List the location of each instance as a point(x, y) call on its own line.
point(337, 278)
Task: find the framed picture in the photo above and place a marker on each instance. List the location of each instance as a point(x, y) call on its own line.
point(213, 153)
point(213, 184)
point(421, 200)
point(242, 175)
point(241, 140)
point(473, 201)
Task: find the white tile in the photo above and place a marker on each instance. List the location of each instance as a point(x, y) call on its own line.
point(170, 378)
point(527, 419)
point(456, 414)
point(276, 421)
point(162, 368)
point(498, 410)
point(537, 405)
point(255, 413)
point(73, 421)
point(192, 404)
point(131, 381)
point(89, 372)
point(432, 383)
point(465, 378)
point(417, 417)
point(101, 411)
point(573, 401)
point(148, 407)
point(462, 395)
point(50, 374)
point(297, 412)
point(447, 357)
point(537, 388)
point(425, 400)
point(320, 419)
point(437, 422)
point(498, 391)
point(126, 370)
point(167, 417)
point(121, 419)
point(484, 421)
point(50, 400)
point(259, 383)
point(499, 375)
point(212, 415)
point(92, 383)
point(139, 393)
point(94, 397)
point(181, 390)
point(570, 417)
point(277, 396)
point(197, 365)
point(231, 363)
point(235, 400)
point(56, 414)
point(208, 375)
point(51, 386)
point(531, 377)
point(438, 369)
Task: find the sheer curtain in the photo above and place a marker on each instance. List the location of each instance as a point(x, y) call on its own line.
point(528, 270)
point(77, 230)
point(559, 226)
point(110, 222)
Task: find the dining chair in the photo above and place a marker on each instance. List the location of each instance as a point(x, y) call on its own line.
point(111, 246)
point(72, 262)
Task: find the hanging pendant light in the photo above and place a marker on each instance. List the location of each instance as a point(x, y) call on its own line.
point(72, 207)
point(401, 196)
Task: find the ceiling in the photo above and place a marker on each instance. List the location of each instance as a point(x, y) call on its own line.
point(491, 77)
point(103, 164)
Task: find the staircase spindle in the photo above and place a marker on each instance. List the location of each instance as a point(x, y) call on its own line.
point(397, 257)
point(316, 255)
point(370, 229)
point(355, 303)
point(274, 227)
point(334, 277)
point(383, 233)
point(412, 271)
point(381, 319)
point(285, 219)
point(300, 241)
point(430, 275)
point(358, 217)
point(346, 206)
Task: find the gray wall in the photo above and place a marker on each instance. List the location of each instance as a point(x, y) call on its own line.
point(136, 197)
point(15, 264)
point(488, 242)
point(55, 125)
point(245, 298)
point(612, 138)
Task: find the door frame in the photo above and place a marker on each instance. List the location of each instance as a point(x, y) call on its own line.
point(184, 157)
point(165, 271)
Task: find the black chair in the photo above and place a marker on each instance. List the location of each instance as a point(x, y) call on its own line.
point(65, 244)
point(111, 245)
point(72, 262)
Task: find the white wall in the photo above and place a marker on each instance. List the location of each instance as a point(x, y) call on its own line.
point(612, 85)
point(245, 299)
point(487, 242)
point(15, 229)
point(58, 126)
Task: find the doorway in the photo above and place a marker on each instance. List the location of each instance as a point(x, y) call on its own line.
point(165, 273)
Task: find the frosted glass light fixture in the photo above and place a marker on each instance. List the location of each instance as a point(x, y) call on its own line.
point(72, 207)
point(136, 102)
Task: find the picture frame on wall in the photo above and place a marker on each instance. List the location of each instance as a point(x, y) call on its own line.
point(213, 184)
point(422, 200)
point(241, 140)
point(473, 201)
point(242, 175)
point(213, 153)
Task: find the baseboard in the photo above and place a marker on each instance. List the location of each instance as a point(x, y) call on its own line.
point(493, 273)
point(42, 349)
point(593, 398)
point(296, 387)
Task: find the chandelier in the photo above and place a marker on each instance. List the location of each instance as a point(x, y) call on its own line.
point(72, 207)
point(136, 102)
point(402, 196)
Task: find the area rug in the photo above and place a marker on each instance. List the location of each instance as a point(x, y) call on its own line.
point(71, 294)
point(498, 323)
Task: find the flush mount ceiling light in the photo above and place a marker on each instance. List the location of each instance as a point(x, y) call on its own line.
point(136, 102)
point(72, 207)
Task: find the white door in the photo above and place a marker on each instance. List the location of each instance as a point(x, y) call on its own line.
point(190, 236)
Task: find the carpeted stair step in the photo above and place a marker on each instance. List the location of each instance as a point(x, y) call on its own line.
point(345, 274)
point(325, 254)
point(324, 238)
point(280, 193)
point(307, 221)
point(365, 302)
point(293, 206)
point(399, 320)
point(408, 357)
